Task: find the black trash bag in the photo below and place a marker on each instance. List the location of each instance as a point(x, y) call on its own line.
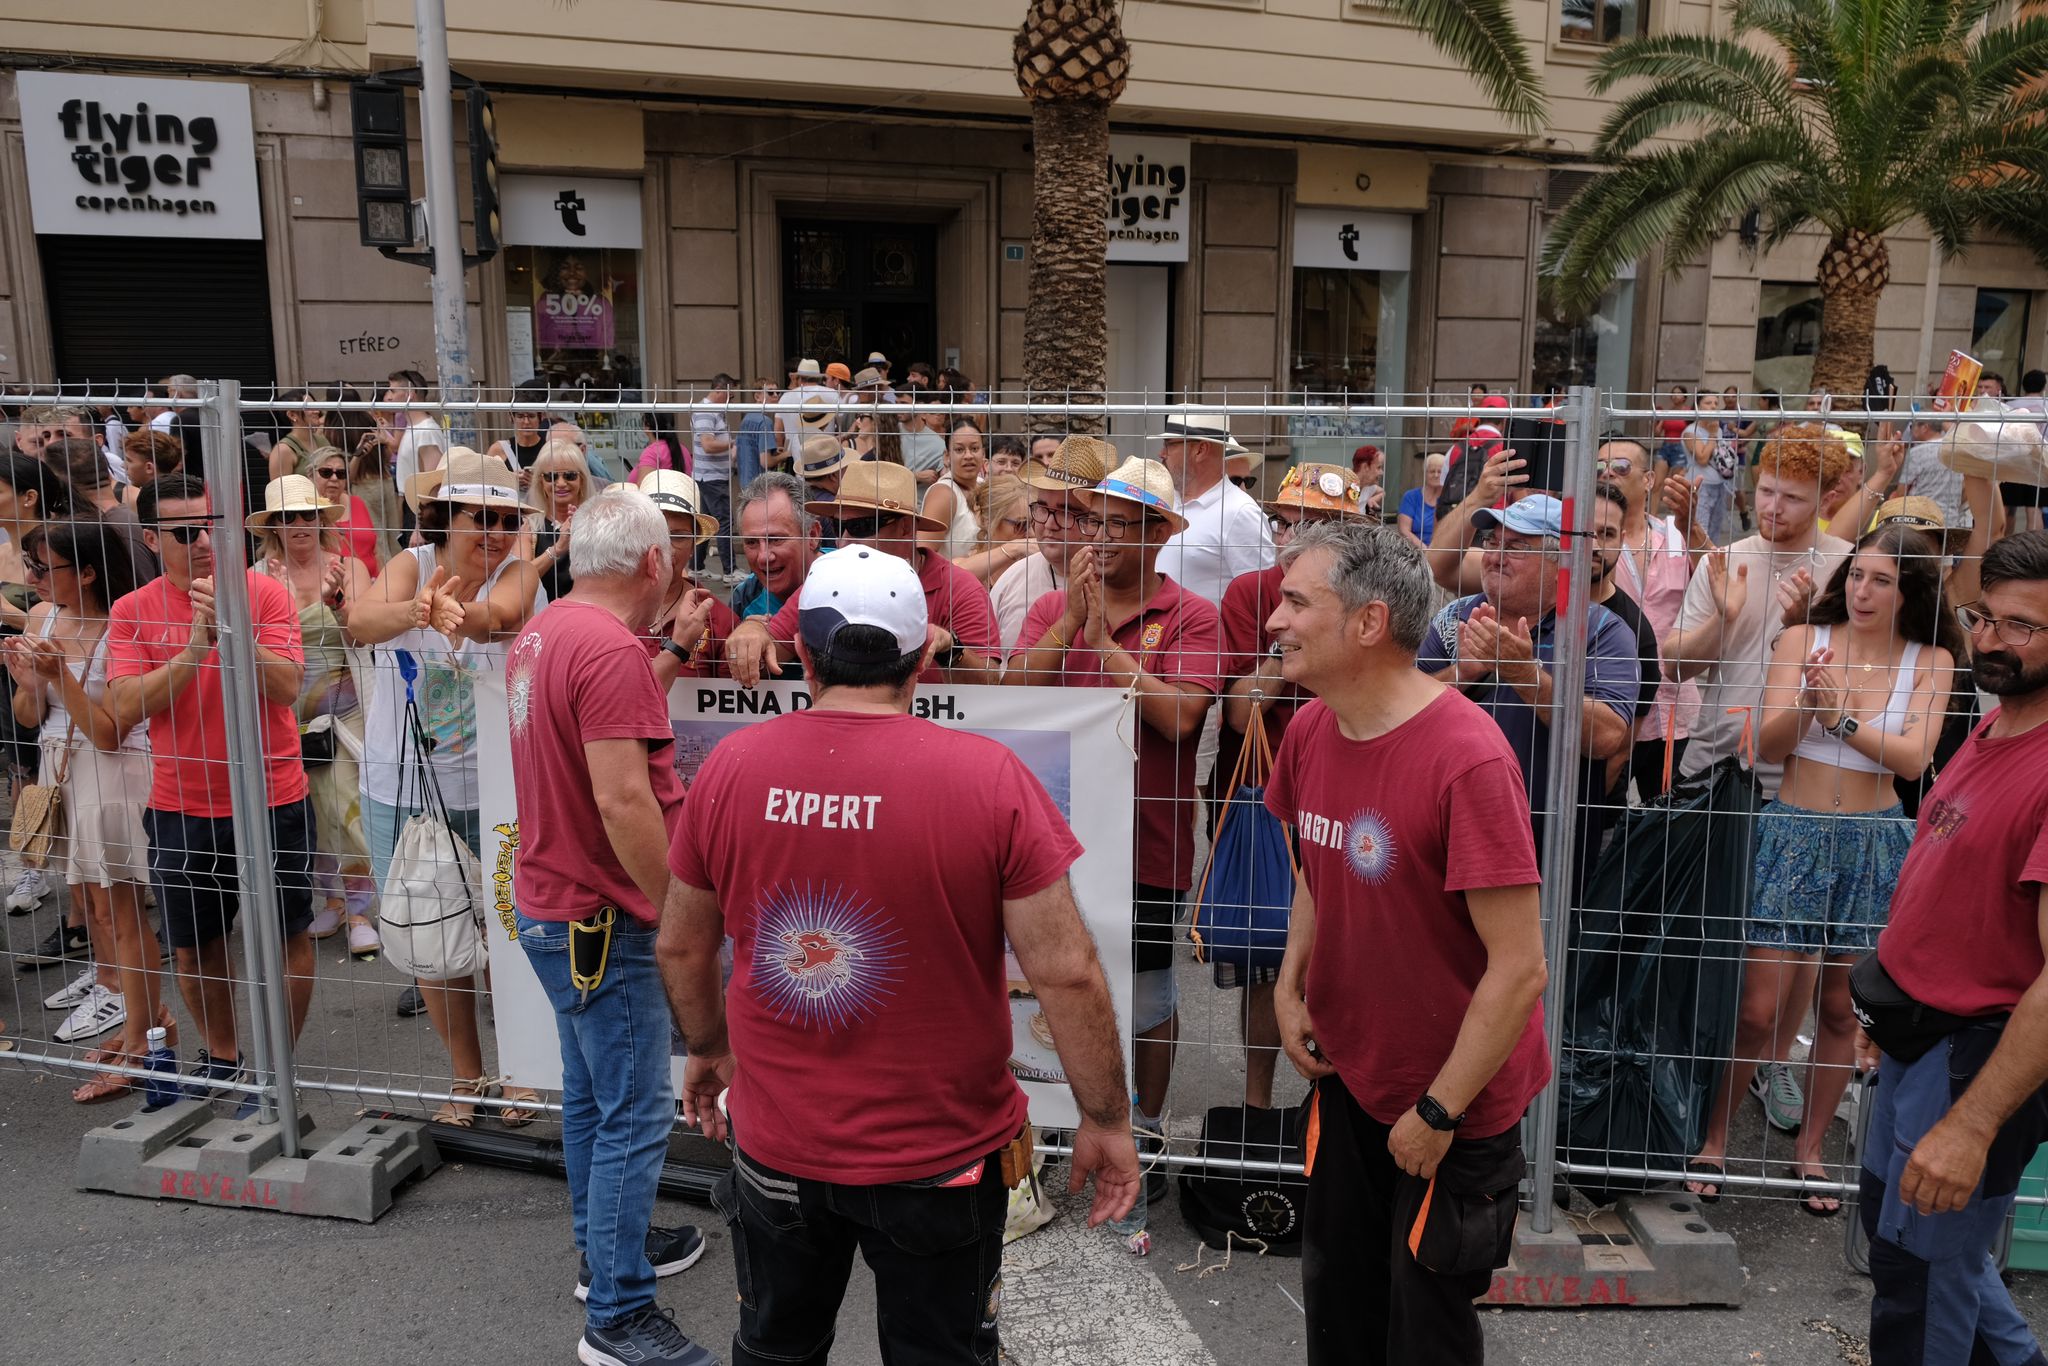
point(1654, 979)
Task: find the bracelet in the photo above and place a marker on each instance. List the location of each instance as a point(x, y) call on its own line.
point(1054, 632)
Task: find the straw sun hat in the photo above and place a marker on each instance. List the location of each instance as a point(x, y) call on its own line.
point(292, 493)
point(875, 486)
point(469, 477)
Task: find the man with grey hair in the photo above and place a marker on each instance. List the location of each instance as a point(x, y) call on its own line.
point(1410, 993)
point(1496, 646)
point(779, 539)
point(599, 799)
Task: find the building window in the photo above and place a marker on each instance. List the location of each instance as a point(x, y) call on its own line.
point(1787, 334)
point(1349, 341)
point(1602, 21)
point(1593, 351)
point(1998, 337)
point(572, 318)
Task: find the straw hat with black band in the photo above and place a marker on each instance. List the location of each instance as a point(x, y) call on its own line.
point(1195, 424)
point(292, 493)
point(674, 491)
point(469, 477)
point(871, 486)
point(821, 457)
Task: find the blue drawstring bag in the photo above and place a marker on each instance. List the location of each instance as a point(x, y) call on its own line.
point(1247, 891)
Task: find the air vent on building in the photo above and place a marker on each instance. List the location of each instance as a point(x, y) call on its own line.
point(1565, 184)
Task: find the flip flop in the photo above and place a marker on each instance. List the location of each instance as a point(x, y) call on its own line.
point(105, 1086)
point(1812, 1189)
point(1705, 1173)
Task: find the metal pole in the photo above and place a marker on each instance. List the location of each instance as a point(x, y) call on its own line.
point(444, 216)
point(1560, 848)
point(235, 641)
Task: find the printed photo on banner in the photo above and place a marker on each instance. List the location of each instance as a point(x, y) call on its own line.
point(823, 950)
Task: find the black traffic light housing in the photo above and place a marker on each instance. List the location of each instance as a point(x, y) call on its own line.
point(377, 118)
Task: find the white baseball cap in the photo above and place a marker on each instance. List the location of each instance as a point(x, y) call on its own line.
point(859, 586)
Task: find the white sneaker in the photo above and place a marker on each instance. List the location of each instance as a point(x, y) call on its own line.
point(74, 991)
point(100, 1011)
point(29, 890)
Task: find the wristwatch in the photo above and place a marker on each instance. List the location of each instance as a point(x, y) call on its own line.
point(1843, 728)
point(947, 657)
point(1435, 1116)
point(678, 651)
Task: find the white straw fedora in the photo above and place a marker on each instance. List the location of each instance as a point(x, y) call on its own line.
point(468, 476)
point(674, 491)
point(292, 493)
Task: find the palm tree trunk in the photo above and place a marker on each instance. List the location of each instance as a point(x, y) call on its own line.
point(1853, 273)
point(1066, 329)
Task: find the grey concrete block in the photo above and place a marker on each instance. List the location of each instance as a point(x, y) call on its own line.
point(186, 1152)
point(1654, 1249)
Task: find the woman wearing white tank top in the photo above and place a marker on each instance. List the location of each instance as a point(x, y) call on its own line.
point(1854, 698)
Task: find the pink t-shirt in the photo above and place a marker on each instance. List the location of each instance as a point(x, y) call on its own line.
point(577, 674)
point(954, 600)
point(1657, 583)
point(188, 741)
point(1983, 831)
point(1391, 831)
point(1177, 637)
point(656, 455)
point(861, 863)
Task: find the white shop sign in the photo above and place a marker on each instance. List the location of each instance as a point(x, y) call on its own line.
point(1151, 185)
point(129, 156)
point(1345, 239)
point(570, 211)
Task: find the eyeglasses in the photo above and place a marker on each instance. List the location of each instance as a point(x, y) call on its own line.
point(1119, 527)
point(2018, 634)
point(1043, 514)
point(1016, 524)
point(185, 533)
point(489, 519)
point(39, 570)
point(561, 476)
point(332, 472)
point(1245, 481)
point(299, 515)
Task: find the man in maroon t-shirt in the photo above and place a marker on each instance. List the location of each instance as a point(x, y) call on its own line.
point(868, 1011)
point(1120, 623)
point(1309, 494)
point(876, 506)
point(594, 771)
point(1961, 1110)
point(1411, 988)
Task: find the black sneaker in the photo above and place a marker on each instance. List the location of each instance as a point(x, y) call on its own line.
point(64, 942)
point(647, 1337)
point(670, 1249)
point(207, 1075)
point(411, 1003)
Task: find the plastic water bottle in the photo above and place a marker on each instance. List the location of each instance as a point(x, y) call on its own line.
point(161, 1088)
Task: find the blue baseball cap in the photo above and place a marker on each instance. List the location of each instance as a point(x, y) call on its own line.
point(1537, 515)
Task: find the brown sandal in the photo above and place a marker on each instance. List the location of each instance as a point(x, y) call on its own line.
point(454, 1113)
point(105, 1086)
point(519, 1115)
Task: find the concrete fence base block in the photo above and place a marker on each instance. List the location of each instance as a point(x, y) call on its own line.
point(1654, 1249)
point(186, 1152)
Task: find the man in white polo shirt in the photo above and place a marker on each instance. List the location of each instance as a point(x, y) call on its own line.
point(1226, 534)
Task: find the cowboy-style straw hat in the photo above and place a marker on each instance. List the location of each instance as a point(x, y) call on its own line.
point(821, 456)
point(1921, 513)
point(1147, 484)
point(674, 491)
point(875, 486)
point(292, 493)
point(468, 476)
point(1317, 488)
point(1081, 462)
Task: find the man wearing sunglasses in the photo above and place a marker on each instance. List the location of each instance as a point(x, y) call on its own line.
point(163, 668)
point(1962, 1107)
point(876, 505)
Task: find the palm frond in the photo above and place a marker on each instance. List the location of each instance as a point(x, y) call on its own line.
point(1482, 36)
point(1613, 222)
point(2007, 57)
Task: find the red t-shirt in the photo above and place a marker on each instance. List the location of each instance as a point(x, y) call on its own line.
point(578, 674)
point(1983, 826)
point(1391, 831)
point(1247, 604)
point(862, 863)
point(954, 600)
point(188, 741)
point(1176, 637)
point(359, 533)
point(1671, 428)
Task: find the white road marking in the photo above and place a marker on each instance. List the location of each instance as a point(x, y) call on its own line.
point(1073, 1297)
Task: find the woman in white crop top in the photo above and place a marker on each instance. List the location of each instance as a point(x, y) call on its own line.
point(1854, 697)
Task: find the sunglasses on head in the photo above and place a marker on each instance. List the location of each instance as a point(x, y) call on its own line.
point(493, 519)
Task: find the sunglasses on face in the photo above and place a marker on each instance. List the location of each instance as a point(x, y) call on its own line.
point(1245, 481)
point(560, 476)
point(37, 569)
point(332, 472)
point(866, 528)
point(493, 519)
point(185, 533)
point(298, 515)
point(1619, 464)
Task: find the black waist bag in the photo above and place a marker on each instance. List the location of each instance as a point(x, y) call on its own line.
point(1220, 1203)
point(1898, 1024)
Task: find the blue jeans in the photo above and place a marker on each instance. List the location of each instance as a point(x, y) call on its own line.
point(618, 1105)
point(1938, 1298)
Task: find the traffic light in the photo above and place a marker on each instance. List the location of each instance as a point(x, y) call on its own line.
point(483, 170)
point(383, 173)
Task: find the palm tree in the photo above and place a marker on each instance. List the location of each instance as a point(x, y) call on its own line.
point(1072, 63)
point(1851, 116)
